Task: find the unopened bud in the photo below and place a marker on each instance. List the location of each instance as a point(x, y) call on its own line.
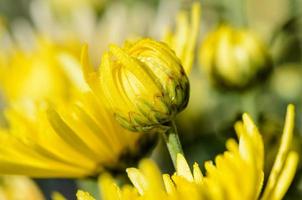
point(144, 84)
point(234, 58)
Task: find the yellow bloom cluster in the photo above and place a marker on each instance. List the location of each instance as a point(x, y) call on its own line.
point(236, 174)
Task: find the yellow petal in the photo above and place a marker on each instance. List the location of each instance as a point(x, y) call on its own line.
point(182, 168)
point(73, 71)
point(198, 176)
point(138, 180)
point(286, 176)
point(169, 185)
point(108, 188)
point(282, 153)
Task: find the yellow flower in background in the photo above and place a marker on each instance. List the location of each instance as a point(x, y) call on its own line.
point(184, 40)
point(19, 187)
point(143, 83)
point(234, 58)
point(236, 174)
point(36, 74)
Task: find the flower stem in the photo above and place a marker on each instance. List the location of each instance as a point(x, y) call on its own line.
point(172, 141)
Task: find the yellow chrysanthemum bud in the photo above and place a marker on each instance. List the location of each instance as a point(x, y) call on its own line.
point(234, 58)
point(144, 84)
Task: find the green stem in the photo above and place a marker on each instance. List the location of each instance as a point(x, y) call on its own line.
point(172, 141)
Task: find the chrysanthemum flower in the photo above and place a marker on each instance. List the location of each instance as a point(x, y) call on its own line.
point(236, 174)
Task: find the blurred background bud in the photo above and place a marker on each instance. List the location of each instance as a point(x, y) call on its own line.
point(234, 58)
point(144, 84)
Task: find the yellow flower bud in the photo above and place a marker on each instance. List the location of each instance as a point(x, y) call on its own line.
point(234, 58)
point(144, 84)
